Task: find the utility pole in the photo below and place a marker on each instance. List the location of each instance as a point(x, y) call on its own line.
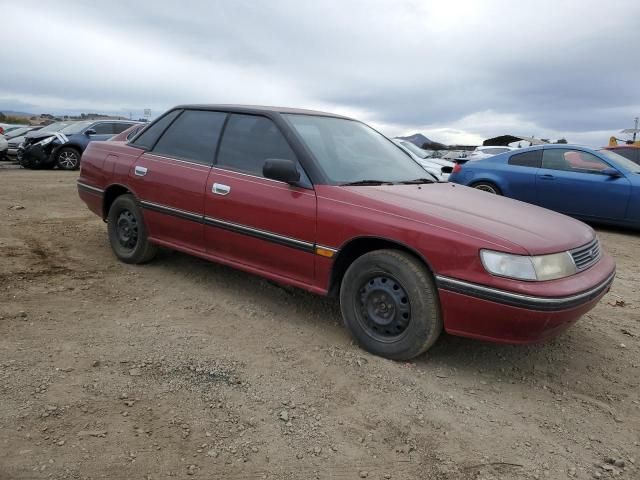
point(635, 130)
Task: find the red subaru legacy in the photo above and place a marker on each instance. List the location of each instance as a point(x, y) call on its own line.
point(326, 203)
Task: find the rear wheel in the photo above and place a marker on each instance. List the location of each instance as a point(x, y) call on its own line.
point(488, 187)
point(390, 304)
point(68, 158)
point(127, 231)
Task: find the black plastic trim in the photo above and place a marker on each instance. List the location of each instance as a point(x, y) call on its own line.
point(546, 304)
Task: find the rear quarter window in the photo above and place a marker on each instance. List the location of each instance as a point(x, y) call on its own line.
point(149, 137)
point(527, 159)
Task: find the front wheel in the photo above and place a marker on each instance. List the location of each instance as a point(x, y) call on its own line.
point(127, 231)
point(390, 304)
point(68, 158)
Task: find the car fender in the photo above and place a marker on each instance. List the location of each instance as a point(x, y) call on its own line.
point(490, 177)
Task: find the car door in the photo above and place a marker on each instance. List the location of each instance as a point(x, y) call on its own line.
point(521, 172)
point(570, 181)
point(265, 224)
point(170, 177)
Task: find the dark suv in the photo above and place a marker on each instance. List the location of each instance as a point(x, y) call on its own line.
point(64, 148)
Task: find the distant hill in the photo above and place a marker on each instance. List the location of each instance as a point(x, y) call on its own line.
point(417, 139)
point(421, 141)
point(11, 113)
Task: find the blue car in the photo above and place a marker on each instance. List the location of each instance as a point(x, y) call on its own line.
point(63, 147)
point(593, 185)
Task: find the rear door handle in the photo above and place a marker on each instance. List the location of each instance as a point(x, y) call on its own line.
point(140, 171)
point(547, 176)
point(220, 189)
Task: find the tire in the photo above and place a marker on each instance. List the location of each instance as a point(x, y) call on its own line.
point(390, 304)
point(487, 187)
point(127, 231)
point(68, 158)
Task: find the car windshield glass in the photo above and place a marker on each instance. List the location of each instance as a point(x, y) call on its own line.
point(348, 151)
point(17, 132)
point(77, 127)
point(414, 149)
point(55, 127)
point(620, 161)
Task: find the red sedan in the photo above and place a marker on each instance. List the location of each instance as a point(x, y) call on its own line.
point(325, 203)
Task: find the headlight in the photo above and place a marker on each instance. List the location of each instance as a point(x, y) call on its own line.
point(46, 141)
point(521, 267)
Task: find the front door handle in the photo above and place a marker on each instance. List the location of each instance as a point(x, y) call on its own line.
point(220, 189)
point(547, 176)
point(140, 171)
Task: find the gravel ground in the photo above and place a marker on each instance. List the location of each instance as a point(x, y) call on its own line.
point(187, 369)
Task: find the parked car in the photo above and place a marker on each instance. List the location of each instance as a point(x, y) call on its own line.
point(325, 203)
point(599, 186)
point(632, 152)
point(64, 148)
point(440, 169)
point(6, 128)
point(4, 147)
point(485, 152)
point(17, 137)
point(129, 133)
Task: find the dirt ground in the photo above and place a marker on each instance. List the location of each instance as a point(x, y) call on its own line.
point(187, 369)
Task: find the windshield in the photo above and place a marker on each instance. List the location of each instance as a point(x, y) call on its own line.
point(414, 149)
point(348, 151)
point(77, 127)
point(55, 127)
point(18, 132)
point(620, 161)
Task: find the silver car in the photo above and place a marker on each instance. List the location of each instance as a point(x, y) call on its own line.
point(438, 167)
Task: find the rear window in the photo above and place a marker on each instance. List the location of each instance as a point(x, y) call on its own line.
point(192, 136)
point(149, 137)
point(527, 159)
point(494, 151)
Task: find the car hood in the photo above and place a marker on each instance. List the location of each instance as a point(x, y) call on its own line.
point(504, 222)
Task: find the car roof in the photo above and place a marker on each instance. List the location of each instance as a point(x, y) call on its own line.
point(258, 109)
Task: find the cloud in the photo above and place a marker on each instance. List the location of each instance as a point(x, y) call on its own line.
point(457, 70)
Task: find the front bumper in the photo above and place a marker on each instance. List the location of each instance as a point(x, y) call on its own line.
point(486, 313)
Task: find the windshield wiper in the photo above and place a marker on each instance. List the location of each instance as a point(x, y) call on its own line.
point(366, 182)
point(417, 181)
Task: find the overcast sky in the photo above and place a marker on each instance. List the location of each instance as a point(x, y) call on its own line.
point(457, 71)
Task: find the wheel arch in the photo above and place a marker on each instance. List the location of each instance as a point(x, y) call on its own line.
point(110, 194)
point(491, 179)
point(358, 246)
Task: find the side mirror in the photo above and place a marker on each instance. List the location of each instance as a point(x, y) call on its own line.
point(281, 170)
point(611, 172)
point(91, 131)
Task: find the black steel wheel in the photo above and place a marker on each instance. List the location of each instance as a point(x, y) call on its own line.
point(127, 231)
point(385, 311)
point(389, 302)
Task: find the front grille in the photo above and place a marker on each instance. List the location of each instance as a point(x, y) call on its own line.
point(587, 255)
point(447, 169)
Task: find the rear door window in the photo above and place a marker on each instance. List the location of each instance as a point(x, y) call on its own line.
point(149, 137)
point(120, 127)
point(103, 128)
point(527, 159)
point(193, 136)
